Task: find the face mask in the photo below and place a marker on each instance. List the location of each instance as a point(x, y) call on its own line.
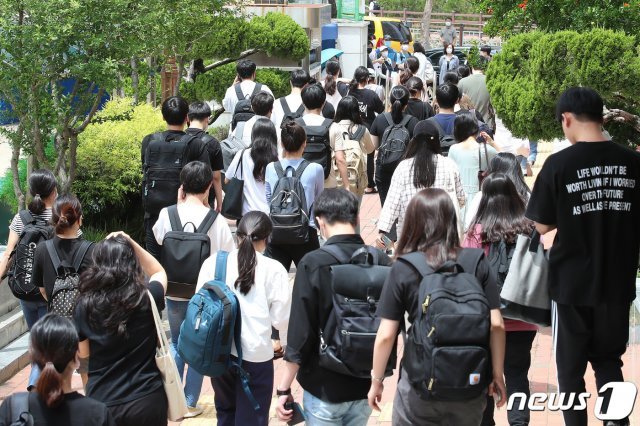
point(387, 43)
point(448, 24)
point(385, 54)
point(449, 50)
point(405, 47)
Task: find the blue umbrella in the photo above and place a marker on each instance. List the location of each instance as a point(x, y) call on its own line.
point(328, 54)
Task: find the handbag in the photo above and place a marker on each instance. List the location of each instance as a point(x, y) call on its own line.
point(233, 195)
point(168, 371)
point(482, 173)
point(525, 293)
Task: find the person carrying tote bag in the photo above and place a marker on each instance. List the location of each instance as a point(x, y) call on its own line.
point(234, 190)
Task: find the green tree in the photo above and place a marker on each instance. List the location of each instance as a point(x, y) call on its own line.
point(533, 69)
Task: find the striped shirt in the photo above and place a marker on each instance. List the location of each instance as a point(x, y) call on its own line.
point(17, 226)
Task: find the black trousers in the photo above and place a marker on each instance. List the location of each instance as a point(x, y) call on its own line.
point(370, 170)
point(287, 253)
point(151, 245)
point(583, 334)
point(517, 361)
point(383, 182)
point(149, 410)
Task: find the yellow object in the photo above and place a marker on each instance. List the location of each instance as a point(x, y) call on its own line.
point(393, 27)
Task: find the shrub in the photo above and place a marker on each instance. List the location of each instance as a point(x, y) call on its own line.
point(7, 195)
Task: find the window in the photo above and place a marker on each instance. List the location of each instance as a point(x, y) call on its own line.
point(392, 29)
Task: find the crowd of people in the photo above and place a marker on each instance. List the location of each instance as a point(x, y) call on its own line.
point(292, 174)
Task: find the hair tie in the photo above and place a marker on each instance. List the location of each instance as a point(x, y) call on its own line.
point(37, 195)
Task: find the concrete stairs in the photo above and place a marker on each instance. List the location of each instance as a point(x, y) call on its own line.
point(14, 336)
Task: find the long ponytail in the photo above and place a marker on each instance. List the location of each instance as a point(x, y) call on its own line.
point(254, 226)
point(399, 98)
point(330, 81)
point(360, 76)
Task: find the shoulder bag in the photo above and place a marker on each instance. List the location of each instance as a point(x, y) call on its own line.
point(233, 193)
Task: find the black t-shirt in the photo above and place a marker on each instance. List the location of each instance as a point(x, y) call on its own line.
point(123, 368)
point(44, 275)
point(196, 151)
point(343, 88)
point(75, 410)
point(380, 124)
point(214, 152)
point(420, 110)
point(370, 105)
point(400, 292)
point(589, 191)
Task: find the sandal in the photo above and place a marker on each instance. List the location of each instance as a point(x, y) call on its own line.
point(371, 190)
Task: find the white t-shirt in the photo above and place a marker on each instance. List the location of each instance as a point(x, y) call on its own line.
point(231, 97)
point(219, 233)
point(254, 196)
point(267, 304)
point(294, 100)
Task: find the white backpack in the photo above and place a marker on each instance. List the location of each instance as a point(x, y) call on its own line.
point(356, 164)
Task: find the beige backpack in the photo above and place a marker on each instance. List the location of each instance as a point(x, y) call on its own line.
point(356, 162)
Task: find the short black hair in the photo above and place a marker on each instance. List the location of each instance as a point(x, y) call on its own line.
point(463, 71)
point(337, 205)
point(196, 177)
point(262, 103)
point(451, 77)
point(199, 110)
point(447, 95)
point(465, 126)
point(583, 102)
point(300, 78)
point(313, 96)
point(175, 110)
point(486, 49)
point(246, 68)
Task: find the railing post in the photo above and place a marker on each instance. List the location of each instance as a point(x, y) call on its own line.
point(381, 9)
point(461, 33)
point(404, 14)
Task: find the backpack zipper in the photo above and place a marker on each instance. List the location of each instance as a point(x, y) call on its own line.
point(433, 329)
point(431, 384)
point(199, 316)
point(425, 305)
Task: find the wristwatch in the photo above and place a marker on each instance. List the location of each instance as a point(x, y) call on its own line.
point(286, 392)
point(378, 379)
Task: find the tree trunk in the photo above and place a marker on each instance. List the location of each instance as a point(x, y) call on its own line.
point(135, 80)
point(176, 87)
point(151, 97)
point(15, 159)
point(229, 60)
point(426, 23)
point(620, 116)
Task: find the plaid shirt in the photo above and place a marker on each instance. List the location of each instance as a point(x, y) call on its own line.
point(402, 190)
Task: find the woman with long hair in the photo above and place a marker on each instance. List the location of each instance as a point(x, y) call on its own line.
point(499, 220)
point(417, 106)
point(425, 69)
point(333, 84)
point(250, 165)
point(262, 288)
point(449, 62)
point(399, 99)
point(424, 167)
point(431, 230)
point(117, 330)
point(54, 348)
point(42, 188)
point(507, 164)
point(411, 67)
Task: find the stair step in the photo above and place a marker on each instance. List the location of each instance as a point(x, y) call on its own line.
point(7, 301)
point(12, 326)
point(14, 357)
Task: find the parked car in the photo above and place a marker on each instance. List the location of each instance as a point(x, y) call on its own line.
point(393, 27)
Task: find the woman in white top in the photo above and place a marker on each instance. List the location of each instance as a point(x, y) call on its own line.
point(333, 84)
point(262, 288)
point(425, 70)
point(250, 165)
point(424, 167)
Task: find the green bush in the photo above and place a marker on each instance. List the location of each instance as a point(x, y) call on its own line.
point(7, 195)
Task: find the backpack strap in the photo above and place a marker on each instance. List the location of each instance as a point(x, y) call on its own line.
point(174, 218)
point(256, 89)
point(300, 109)
point(279, 169)
point(336, 253)
point(285, 106)
point(405, 120)
point(239, 93)
point(78, 258)
point(207, 222)
point(53, 255)
point(326, 124)
point(389, 119)
point(438, 126)
point(301, 168)
point(26, 217)
point(19, 406)
point(359, 133)
point(469, 257)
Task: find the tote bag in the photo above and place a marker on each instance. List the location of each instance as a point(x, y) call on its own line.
point(233, 194)
point(525, 293)
point(168, 370)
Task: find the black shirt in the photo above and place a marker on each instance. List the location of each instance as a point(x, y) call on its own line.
point(589, 191)
point(311, 306)
point(370, 105)
point(400, 292)
point(196, 151)
point(123, 368)
point(44, 275)
point(75, 410)
point(215, 156)
point(420, 110)
point(380, 124)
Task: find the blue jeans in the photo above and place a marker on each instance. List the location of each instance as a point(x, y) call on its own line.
point(322, 413)
point(177, 310)
point(32, 312)
point(533, 151)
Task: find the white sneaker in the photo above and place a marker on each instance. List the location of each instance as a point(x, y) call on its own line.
point(193, 412)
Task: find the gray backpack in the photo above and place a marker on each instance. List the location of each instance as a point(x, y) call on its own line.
point(288, 209)
point(233, 144)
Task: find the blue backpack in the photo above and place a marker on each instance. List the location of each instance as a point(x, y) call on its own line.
point(211, 324)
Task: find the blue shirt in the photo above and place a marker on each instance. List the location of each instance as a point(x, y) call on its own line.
point(312, 180)
point(446, 122)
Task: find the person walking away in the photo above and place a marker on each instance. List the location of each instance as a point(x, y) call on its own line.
point(425, 68)
point(416, 106)
point(471, 156)
point(410, 68)
point(250, 166)
point(329, 397)
point(17, 260)
point(54, 348)
point(262, 106)
point(498, 222)
point(117, 331)
point(371, 84)
point(424, 167)
point(446, 97)
point(430, 241)
point(448, 62)
point(475, 86)
point(262, 288)
point(594, 259)
point(199, 114)
point(333, 84)
point(164, 154)
point(448, 34)
point(244, 85)
point(192, 212)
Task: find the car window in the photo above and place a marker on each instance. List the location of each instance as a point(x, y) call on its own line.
point(406, 32)
point(392, 29)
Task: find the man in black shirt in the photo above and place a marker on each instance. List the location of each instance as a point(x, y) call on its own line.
point(589, 193)
point(199, 113)
point(335, 397)
point(156, 175)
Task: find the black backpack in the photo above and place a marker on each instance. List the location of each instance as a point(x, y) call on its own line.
point(66, 286)
point(183, 253)
point(500, 255)
point(243, 111)
point(348, 337)
point(446, 141)
point(288, 114)
point(21, 270)
point(288, 208)
point(163, 162)
point(446, 355)
point(395, 140)
point(318, 149)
